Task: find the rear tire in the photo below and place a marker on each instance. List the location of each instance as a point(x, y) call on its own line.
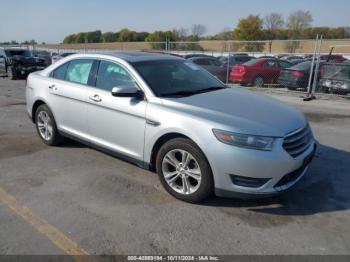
point(184, 171)
point(46, 126)
point(258, 81)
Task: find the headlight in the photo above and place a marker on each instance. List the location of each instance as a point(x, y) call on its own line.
point(328, 83)
point(246, 141)
point(345, 86)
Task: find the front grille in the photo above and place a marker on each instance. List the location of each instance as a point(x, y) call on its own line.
point(298, 142)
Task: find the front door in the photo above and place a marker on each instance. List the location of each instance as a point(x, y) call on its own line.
point(116, 123)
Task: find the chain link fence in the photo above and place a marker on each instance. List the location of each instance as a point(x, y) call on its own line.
point(283, 64)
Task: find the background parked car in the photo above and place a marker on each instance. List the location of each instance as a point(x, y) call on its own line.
point(212, 65)
point(291, 57)
point(236, 59)
point(258, 72)
point(43, 55)
point(18, 63)
point(297, 76)
point(334, 58)
point(60, 56)
point(196, 55)
point(336, 78)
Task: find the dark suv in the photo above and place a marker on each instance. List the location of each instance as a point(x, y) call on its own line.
point(18, 63)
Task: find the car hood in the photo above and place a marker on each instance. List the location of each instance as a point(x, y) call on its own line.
point(237, 110)
point(27, 61)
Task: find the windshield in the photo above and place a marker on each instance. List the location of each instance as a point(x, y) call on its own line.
point(25, 53)
point(176, 77)
point(336, 71)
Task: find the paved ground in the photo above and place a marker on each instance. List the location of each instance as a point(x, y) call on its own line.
point(108, 206)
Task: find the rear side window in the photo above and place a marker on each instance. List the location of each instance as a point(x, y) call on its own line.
point(60, 72)
point(284, 64)
point(79, 70)
point(270, 63)
point(201, 61)
point(251, 62)
point(243, 59)
point(113, 75)
point(302, 66)
point(214, 62)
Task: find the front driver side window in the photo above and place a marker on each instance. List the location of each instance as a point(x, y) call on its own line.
point(113, 75)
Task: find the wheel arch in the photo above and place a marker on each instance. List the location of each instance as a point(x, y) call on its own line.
point(38, 102)
point(160, 142)
point(165, 138)
point(35, 106)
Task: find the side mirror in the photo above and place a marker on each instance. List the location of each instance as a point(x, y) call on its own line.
point(127, 91)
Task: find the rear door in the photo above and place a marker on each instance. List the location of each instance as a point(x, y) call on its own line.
point(68, 96)
point(116, 123)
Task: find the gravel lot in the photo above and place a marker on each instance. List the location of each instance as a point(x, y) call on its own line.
point(108, 206)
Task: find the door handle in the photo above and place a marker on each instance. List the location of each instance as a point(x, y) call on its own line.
point(51, 86)
point(95, 98)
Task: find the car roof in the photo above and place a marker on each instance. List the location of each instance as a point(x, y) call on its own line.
point(15, 48)
point(202, 57)
point(134, 56)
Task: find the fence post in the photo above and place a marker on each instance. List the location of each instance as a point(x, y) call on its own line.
point(312, 67)
point(228, 64)
point(317, 66)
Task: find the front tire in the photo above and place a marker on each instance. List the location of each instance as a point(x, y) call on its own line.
point(46, 126)
point(11, 73)
point(184, 171)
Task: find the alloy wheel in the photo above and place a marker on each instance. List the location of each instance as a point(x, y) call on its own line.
point(45, 125)
point(181, 171)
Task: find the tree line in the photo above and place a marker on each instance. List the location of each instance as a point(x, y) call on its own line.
point(126, 35)
point(297, 25)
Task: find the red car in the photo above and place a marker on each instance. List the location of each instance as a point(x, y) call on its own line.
point(258, 72)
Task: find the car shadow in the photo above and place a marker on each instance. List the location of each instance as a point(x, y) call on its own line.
point(325, 188)
point(69, 143)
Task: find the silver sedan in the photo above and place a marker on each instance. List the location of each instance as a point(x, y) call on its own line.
point(171, 116)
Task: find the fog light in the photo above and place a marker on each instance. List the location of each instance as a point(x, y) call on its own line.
point(248, 181)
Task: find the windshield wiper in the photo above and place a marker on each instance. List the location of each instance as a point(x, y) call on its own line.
point(179, 93)
point(209, 89)
point(190, 93)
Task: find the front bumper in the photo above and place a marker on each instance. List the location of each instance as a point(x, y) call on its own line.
point(292, 83)
point(23, 71)
point(275, 170)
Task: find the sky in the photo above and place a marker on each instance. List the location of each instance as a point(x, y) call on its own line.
point(51, 20)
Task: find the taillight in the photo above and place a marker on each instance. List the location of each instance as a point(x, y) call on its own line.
point(239, 69)
point(322, 71)
point(298, 74)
